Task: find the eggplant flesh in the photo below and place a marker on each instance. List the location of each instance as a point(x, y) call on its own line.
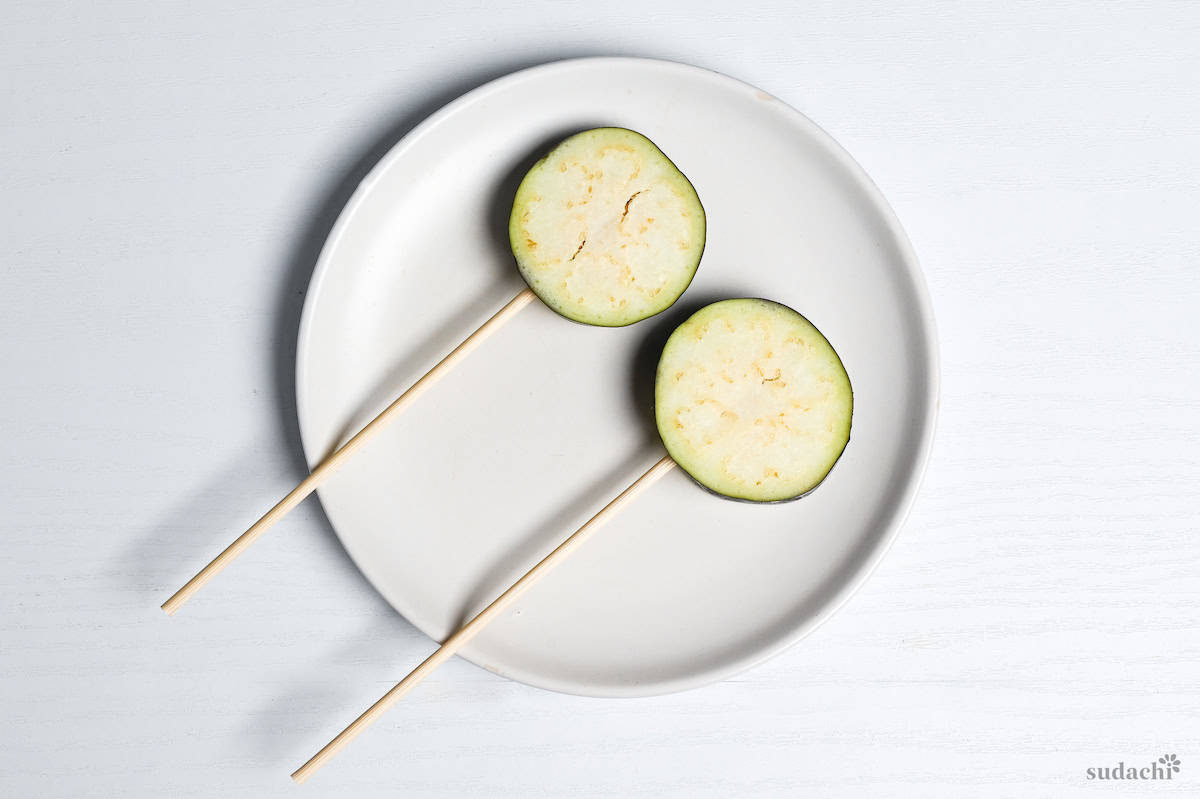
point(752, 401)
point(605, 229)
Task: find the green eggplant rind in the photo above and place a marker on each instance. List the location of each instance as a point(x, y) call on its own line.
point(682, 462)
point(520, 252)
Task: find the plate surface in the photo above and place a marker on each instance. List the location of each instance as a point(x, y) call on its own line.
point(549, 419)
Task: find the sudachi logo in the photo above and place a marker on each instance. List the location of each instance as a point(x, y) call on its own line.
point(1162, 769)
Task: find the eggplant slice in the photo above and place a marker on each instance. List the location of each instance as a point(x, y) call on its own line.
point(752, 401)
point(605, 229)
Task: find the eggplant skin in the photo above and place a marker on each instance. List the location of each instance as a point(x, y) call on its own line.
point(605, 228)
point(752, 401)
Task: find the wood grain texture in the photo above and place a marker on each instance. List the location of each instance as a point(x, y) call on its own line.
point(169, 175)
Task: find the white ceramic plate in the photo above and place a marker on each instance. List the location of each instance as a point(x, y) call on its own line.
point(549, 419)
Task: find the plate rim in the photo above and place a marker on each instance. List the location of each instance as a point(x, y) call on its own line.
point(913, 480)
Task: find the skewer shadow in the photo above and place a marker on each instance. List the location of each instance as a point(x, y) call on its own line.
point(317, 223)
point(215, 510)
point(214, 506)
point(304, 710)
point(271, 728)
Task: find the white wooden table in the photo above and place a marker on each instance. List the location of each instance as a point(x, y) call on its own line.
point(166, 177)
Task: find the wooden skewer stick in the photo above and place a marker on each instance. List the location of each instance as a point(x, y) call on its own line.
point(472, 628)
point(331, 463)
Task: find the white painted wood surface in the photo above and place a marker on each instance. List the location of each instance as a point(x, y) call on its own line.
point(167, 177)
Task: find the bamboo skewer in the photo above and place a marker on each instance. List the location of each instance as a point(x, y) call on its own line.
point(472, 628)
point(328, 466)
